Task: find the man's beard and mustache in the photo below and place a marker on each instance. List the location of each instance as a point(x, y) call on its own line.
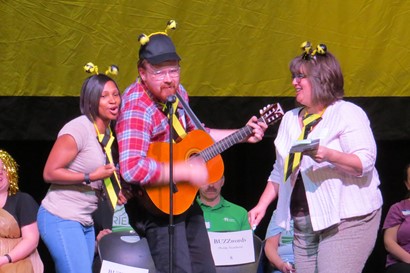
point(211, 190)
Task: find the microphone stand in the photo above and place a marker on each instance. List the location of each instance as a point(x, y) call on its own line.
point(172, 186)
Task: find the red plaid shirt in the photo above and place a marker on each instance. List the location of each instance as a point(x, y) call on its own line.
point(141, 122)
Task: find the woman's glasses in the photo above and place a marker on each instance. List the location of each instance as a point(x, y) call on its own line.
point(298, 77)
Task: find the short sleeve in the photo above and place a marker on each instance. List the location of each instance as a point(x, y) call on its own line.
point(394, 217)
point(23, 207)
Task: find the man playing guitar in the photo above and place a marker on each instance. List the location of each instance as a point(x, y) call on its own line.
point(142, 122)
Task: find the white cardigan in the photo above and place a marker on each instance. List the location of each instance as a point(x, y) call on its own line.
point(331, 194)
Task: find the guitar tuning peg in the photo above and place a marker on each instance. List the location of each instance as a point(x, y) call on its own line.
point(264, 109)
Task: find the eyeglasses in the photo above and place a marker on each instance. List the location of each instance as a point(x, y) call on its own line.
point(298, 77)
point(159, 75)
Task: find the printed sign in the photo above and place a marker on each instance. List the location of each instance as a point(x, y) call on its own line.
point(230, 248)
point(110, 267)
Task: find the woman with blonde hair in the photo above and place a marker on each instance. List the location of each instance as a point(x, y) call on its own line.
point(19, 234)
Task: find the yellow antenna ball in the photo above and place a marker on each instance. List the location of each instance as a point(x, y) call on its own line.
point(91, 68)
point(143, 39)
point(171, 24)
point(306, 46)
point(112, 69)
point(321, 49)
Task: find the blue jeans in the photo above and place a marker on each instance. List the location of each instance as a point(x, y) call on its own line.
point(70, 243)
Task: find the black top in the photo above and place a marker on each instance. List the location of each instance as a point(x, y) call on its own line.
point(23, 207)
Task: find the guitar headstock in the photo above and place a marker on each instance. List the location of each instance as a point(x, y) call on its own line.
point(271, 113)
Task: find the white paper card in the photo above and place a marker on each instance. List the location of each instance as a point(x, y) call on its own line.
point(230, 248)
point(304, 145)
point(110, 267)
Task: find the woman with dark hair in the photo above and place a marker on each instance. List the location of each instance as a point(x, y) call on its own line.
point(75, 169)
point(18, 224)
point(324, 173)
point(397, 232)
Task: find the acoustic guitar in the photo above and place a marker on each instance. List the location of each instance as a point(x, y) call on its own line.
point(196, 143)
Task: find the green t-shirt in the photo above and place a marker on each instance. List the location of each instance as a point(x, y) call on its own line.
point(225, 216)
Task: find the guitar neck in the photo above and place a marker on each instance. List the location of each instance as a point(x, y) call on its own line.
point(227, 142)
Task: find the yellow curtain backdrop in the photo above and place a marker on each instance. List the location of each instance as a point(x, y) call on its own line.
point(228, 47)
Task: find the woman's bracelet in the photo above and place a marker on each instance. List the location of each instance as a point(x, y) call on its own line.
point(8, 258)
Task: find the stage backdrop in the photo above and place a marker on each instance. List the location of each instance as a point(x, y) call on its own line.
point(233, 51)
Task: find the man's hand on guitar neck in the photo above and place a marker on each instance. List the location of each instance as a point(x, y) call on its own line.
point(259, 128)
point(193, 171)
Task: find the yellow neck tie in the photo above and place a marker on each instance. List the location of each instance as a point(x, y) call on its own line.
point(293, 159)
point(111, 184)
point(178, 130)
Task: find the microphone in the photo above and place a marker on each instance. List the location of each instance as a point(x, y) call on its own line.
point(171, 99)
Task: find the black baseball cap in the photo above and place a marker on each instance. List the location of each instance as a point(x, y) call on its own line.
point(159, 48)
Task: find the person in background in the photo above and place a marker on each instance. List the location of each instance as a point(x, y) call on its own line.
point(142, 122)
point(75, 169)
point(220, 214)
point(19, 234)
point(329, 185)
point(279, 247)
point(397, 232)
